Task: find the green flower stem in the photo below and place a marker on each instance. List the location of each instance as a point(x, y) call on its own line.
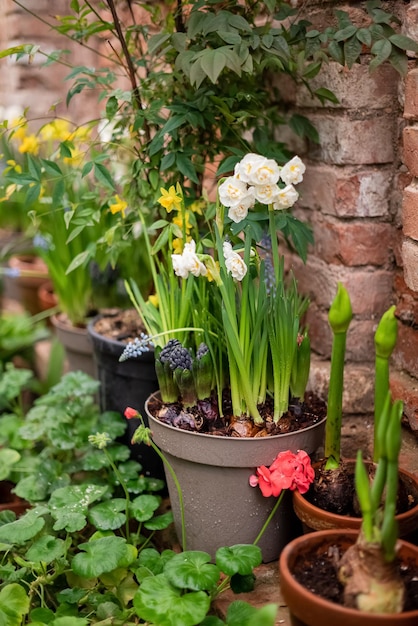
point(340, 316)
point(365, 499)
point(269, 518)
point(274, 245)
point(178, 488)
point(379, 480)
point(385, 341)
point(393, 446)
point(125, 491)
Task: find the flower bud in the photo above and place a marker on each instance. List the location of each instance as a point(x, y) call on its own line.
point(386, 334)
point(340, 313)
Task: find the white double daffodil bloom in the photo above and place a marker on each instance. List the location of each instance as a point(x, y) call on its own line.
point(292, 172)
point(233, 262)
point(188, 262)
point(286, 198)
point(255, 169)
point(256, 179)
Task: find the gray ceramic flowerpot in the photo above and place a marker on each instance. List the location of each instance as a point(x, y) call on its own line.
point(221, 508)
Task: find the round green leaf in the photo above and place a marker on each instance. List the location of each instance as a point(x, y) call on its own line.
point(160, 521)
point(46, 549)
point(22, 529)
point(108, 515)
point(14, 603)
point(159, 603)
point(99, 556)
point(8, 458)
point(143, 507)
point(239, 559)
point(192, 570)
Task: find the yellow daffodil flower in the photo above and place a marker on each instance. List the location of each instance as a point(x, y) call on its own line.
point(170, 199)
point(178, 220)
point(153, 300)
point(29, 144)
point(57, 130)
point(118, 206)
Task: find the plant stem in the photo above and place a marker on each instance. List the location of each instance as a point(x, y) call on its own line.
point(269, 518)
point(179, 491)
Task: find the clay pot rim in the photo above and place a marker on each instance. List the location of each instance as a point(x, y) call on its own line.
point(352, 522)
point(345, 612)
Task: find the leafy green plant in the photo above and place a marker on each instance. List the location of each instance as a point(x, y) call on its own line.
point(382, 590)
point(88, 549)
point(18, 334)
point(199, 92)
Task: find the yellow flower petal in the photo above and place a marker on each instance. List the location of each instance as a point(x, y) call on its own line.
point(118, 206)
point(169, 199)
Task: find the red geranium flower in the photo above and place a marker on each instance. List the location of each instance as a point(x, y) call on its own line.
point(130, 413)
point(288, 471)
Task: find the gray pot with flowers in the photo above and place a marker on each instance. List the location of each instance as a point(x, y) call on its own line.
point(232, 356)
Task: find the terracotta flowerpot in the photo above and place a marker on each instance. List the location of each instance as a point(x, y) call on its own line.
point(126, 384)
point(309, 609)
point(221, 508)
point(77, 344)
point(10, 501)
point(47, 298)
point(315, 518)
point(31, 272)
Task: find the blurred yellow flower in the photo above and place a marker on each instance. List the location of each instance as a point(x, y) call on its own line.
point(30, 143)
point(118, 205)
point(55, 130)
point(76, 158)
point(178, 220)
point(153, 300)
point(170, 199)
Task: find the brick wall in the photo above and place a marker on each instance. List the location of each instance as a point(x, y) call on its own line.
point(360, 191)
point(360, 194)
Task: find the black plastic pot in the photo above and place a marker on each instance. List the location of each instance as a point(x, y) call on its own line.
point(126, 384)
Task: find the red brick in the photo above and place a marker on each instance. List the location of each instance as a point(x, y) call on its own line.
point(410, 23)
point(410, 149)
point(346, 191)
point(405, 388)
point(360, 337)
point(411, 95)
point(406, 352)
point(407, 302)
point(410, 263)
point(410, 212)
point(353, 243)
point(355, 89)
point(347, 141)
point(371, 292)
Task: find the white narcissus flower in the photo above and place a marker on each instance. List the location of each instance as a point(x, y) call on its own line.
point(238, 212)
point(232, 191)
point(255, 169)
point(188, 262)
point(233, 262)
point(285, 198)
point(266, 194)
point(292, 172)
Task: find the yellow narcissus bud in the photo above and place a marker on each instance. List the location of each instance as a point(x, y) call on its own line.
point(340, 313)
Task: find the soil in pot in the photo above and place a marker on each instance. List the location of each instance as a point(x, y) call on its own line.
point(334, 490)
point(122, 325)
point(204, 417)
point(317, 571)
